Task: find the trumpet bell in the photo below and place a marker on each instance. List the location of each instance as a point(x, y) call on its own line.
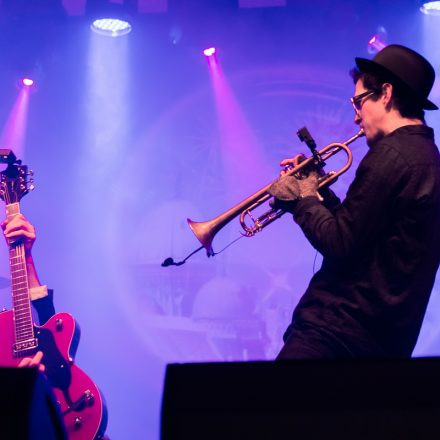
point(205, 232)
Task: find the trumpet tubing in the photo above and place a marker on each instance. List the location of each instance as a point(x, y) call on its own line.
point(206, 231)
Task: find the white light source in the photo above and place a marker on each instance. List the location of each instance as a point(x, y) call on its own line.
point(27, 82)
point(209, 52)
point(431, 8)
point(111, 27)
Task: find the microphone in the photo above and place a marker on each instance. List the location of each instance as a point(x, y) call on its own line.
point(170, 261)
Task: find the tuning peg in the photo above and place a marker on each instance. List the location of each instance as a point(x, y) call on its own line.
point(30, 173)
point(31, 187)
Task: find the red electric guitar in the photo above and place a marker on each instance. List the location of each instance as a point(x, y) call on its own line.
point(81, 403)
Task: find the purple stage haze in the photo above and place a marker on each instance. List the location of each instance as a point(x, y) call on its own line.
point(129, 136)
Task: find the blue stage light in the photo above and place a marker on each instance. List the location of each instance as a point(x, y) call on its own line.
point(111, 27)
point(431, 8)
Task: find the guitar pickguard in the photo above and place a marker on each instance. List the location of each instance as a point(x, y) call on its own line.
point(57, 368)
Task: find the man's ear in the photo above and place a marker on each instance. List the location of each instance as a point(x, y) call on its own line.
point(387, 94)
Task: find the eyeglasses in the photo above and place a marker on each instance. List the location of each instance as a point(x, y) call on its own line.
point(358, 100)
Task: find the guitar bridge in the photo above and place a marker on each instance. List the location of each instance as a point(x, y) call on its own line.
point(23, 347)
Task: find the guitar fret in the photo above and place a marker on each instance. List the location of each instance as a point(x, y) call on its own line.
point(19, 327)
point(19, 313)
point(24, 328)
point(20, 298)
point(22, 307)
point(25, 338)
point(23, 320)
point(20, 290)
point(24, 333)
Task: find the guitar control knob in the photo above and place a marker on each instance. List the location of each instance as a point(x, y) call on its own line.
point(89, 398)
point(77, 423)
point(59, 324)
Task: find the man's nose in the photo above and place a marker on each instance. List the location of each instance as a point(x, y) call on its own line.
point(357, 118)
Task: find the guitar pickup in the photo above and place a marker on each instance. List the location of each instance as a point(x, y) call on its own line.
point(20, 348)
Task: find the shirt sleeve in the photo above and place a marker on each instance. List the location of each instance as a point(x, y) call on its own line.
point(331, 200)
point(38, 292)
point(354, 224)
point(43, 304)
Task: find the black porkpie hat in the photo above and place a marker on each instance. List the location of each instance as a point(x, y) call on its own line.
point(406, 67)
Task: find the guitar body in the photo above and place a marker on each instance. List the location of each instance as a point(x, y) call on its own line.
point(80, 401)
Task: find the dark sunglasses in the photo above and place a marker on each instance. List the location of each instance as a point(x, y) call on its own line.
point(358, 100)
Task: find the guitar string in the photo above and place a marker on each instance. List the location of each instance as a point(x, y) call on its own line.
point(18, 252)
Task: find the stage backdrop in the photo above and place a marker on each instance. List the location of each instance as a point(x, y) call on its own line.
point(130, 136)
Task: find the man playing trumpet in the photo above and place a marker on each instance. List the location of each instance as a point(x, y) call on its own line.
point(381, 245)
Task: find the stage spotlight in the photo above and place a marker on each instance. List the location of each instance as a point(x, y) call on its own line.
point(431, 8)
point(209, 52)
point(375, 44)
point(378, 41)
point(27, 82)
point(111, 27)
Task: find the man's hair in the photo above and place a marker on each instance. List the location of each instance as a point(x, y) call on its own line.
point(402, 99)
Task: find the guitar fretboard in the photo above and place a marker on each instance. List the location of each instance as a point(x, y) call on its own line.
point(23, 322)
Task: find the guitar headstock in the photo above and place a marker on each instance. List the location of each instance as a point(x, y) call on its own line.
point(14, 183)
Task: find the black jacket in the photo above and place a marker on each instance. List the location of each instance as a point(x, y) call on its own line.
point(381, 247)
point(44, 307)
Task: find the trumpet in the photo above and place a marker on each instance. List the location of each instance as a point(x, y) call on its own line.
point(206, 231)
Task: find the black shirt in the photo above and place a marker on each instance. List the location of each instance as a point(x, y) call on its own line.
point(381, 248)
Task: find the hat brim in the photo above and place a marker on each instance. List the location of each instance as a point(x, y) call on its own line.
point(366, 65)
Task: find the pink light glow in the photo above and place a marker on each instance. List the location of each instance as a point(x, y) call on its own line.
point(14, 131)
point(243, 157)
point(209, 52)
point(375, 44)
point(27, 82)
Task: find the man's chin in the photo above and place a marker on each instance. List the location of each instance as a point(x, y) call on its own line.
point(372, 140)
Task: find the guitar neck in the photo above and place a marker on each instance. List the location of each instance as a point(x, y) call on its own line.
point(21, 304)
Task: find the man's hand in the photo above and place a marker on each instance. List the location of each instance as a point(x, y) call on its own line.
point(291, 163)
point(19, 229)
point(308, 186)
point(33, 362)
point(289, 188)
